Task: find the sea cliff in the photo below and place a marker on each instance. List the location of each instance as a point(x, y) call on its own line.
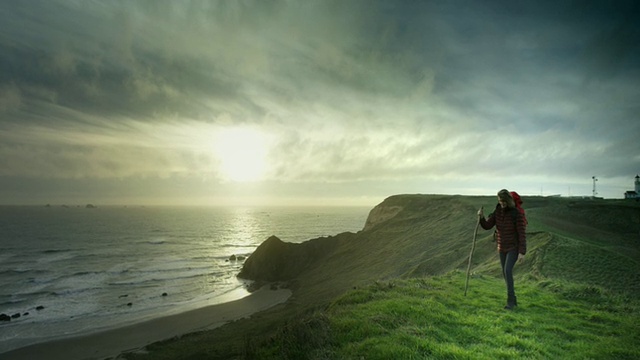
point(405, 235)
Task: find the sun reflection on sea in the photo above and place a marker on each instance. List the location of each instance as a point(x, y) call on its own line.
point(244, 231)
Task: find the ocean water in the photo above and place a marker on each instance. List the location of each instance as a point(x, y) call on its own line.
point(93, 269)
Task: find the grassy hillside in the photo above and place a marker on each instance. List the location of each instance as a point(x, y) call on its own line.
point(398, 286)
point(429, 318)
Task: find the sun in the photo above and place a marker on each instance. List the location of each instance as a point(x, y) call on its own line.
point(242, 152)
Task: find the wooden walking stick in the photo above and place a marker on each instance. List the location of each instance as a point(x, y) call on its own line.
point(473, 247)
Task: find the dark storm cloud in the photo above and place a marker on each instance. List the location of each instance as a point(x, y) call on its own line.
point(145, 58)
point(96, 58)
point(352, 91)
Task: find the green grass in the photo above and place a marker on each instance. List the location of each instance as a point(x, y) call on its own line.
point(430, 318)
point(582, 262)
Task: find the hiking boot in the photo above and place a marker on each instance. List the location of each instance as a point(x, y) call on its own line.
point(512, 302)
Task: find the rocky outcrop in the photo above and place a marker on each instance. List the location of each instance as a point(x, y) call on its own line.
point(6, 317)
point(276, 260)
point(235, 257)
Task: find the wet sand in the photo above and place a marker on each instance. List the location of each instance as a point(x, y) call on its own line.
point(110, 343)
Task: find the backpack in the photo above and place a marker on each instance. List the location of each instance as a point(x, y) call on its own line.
point(520, 211)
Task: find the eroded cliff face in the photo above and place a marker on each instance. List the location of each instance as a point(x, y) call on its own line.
point(380, 214)
point(404, 235)
point(276, 260)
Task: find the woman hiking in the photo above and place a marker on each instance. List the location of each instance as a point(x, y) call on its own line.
point(510, 222)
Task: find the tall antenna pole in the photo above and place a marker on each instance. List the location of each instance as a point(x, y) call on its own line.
point(594, 186)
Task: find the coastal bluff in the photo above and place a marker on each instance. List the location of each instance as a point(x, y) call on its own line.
point(414, 235)
point(276, 260)
point(398, 238)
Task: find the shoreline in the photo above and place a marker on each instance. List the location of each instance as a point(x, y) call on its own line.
point(113, 342)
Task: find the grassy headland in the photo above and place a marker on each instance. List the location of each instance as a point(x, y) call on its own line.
point(395, 290)
point(429, 318)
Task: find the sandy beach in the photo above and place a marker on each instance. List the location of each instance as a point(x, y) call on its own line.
point(111, 343)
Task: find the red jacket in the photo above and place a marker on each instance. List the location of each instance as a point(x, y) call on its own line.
point(510, 232)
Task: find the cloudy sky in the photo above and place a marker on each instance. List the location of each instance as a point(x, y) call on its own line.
point(315, 102)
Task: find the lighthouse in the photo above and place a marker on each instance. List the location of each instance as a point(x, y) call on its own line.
point(634, 194)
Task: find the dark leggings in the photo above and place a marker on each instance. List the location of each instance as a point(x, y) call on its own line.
point(508, 260)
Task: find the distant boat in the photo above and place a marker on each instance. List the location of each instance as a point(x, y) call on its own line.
point(90, 206)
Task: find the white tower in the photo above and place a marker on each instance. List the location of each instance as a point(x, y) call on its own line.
point(637, 184)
